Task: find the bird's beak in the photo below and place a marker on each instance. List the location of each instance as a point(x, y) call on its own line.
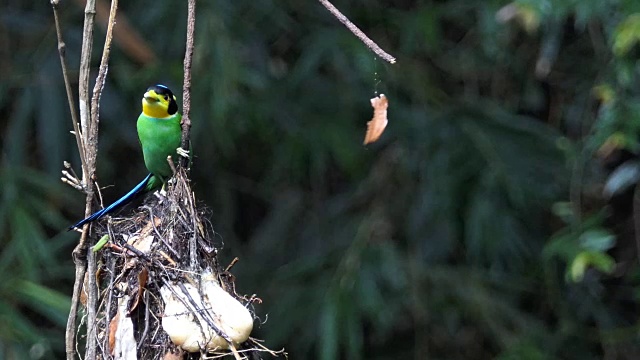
point(149, 97)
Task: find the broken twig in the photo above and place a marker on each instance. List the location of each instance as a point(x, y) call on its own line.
point(357, 32)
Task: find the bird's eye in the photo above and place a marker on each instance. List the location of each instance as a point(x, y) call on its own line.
point(166, 97)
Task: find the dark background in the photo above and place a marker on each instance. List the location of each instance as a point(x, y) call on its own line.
point(476, 228)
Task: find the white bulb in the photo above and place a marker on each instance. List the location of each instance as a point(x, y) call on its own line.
point(191, 331)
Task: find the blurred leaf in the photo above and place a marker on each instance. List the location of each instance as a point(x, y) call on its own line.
point(604, 93)
point(328, 330)
point(49, 303)
point(563, 210)
point(622, 179)
point(523, 351)
point(597, 239)
point(627, 35)
point(585, 259)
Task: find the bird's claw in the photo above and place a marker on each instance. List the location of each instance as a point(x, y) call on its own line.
point(182, 152)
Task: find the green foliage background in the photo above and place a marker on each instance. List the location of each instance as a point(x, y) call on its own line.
point(475, 229)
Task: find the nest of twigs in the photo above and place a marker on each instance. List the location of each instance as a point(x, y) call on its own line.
point(164, 245)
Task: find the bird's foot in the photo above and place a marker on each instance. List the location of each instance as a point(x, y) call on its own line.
point(182, 152)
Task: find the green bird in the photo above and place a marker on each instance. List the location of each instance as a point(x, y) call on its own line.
point(160, 134)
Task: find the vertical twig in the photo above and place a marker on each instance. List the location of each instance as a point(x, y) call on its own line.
point(107, 311)
point(67, 83)
point(104, 67)
point(357, 32)
point(193, 240)
point(92, 291)
point(186, 87)
point(88, 167)
point(83, 87)
point(70, 332)
point(78, 253)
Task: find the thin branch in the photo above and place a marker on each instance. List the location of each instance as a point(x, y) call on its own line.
point(357, 32)
point(92, 294)
point(88, 167)
point(67, 83)
point(104, 67)
point(70, 333)
point(83, 89)
point(107, 311)
point(186, 87)
point(92, 301)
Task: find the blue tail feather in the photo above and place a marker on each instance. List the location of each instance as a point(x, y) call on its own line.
point(123, 200)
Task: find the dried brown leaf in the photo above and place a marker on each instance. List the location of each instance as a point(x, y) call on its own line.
point(113, 327)
point(143, 275)
point(376, 126)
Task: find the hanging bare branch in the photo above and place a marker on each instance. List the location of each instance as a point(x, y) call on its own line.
point(357, 32)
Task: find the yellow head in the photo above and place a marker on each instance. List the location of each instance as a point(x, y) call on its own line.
point(159, 102)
